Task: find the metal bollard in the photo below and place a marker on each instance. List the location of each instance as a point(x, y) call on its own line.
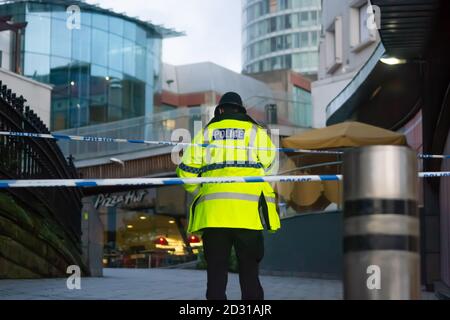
point(381, 224)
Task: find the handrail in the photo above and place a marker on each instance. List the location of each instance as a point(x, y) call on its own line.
point(31, 158)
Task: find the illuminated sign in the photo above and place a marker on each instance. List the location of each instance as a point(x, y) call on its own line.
point(113, 200)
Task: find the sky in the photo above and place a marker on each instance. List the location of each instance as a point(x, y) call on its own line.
point(212, 27)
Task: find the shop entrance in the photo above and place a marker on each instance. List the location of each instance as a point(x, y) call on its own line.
point(145, 228)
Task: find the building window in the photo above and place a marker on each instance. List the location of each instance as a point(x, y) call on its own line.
point(314, 38)
point(35, 41)
point(279, 42)
point(287, 21)
point(288, 61)
point(296, 40)
point(275, 63)
point(333, 42)
point(302, 111)
point(305, 61)
point(304, 39)
point(273, 44)
point(304, 19)
point(281, 4)
point(288, 39)
point(314, 17)
point(360, 35)
point(273, 24)
point(265, 7)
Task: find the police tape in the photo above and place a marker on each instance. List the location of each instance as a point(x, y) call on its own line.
point(438, 174)
point(160, 181)
point(154, 142)
point(182, 144)
point(434, 156)
point(83, 183)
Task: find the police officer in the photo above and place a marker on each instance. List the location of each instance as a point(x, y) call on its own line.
point(231, 214)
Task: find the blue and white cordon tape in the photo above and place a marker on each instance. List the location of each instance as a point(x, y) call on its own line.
point(159, 181)
point(177, 181)
point(434, 156)
point(183, 144)
point(438, 174)
point(152, 142)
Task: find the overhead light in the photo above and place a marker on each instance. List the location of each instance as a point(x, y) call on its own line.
point(129, 226)
point(392, 61)
point(72, 83)
point(142, 217)
point(107, 78)
point(171, 221)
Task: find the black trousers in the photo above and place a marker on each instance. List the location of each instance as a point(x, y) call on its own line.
point(249, 247)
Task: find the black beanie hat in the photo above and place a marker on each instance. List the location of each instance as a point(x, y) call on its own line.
point(231, 99)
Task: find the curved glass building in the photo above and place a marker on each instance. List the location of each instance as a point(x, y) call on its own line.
point(104, 66)
point(281, 34)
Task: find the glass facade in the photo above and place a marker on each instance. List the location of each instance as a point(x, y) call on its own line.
point(303, 106)
point(106, 70)
point(281, 34)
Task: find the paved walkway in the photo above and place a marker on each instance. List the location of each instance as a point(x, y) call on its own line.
point(165, 284)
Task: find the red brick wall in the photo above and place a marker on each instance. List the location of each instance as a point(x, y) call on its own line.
point(188, 99)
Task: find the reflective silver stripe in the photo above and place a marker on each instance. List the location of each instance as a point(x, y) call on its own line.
point(392, 224)
point(232, 195)
point(251, 143)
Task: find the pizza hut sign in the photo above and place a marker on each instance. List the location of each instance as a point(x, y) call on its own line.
point(113, 200)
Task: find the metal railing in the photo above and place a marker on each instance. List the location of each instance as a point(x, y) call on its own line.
point(158, 126)
point(27, 158)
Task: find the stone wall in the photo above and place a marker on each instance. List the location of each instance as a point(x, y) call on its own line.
point(32, 243)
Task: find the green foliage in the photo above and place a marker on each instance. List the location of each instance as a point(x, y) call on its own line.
point(13, 211)
point(233, 265)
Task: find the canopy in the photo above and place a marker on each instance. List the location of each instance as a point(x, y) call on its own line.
point(317, 196)
point(345, 134)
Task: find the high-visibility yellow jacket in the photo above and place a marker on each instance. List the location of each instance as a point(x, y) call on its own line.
point(230, 205)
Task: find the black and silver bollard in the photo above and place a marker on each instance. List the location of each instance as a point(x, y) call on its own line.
point(381, 224)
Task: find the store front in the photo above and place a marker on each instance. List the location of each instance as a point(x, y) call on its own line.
point(145, 228)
